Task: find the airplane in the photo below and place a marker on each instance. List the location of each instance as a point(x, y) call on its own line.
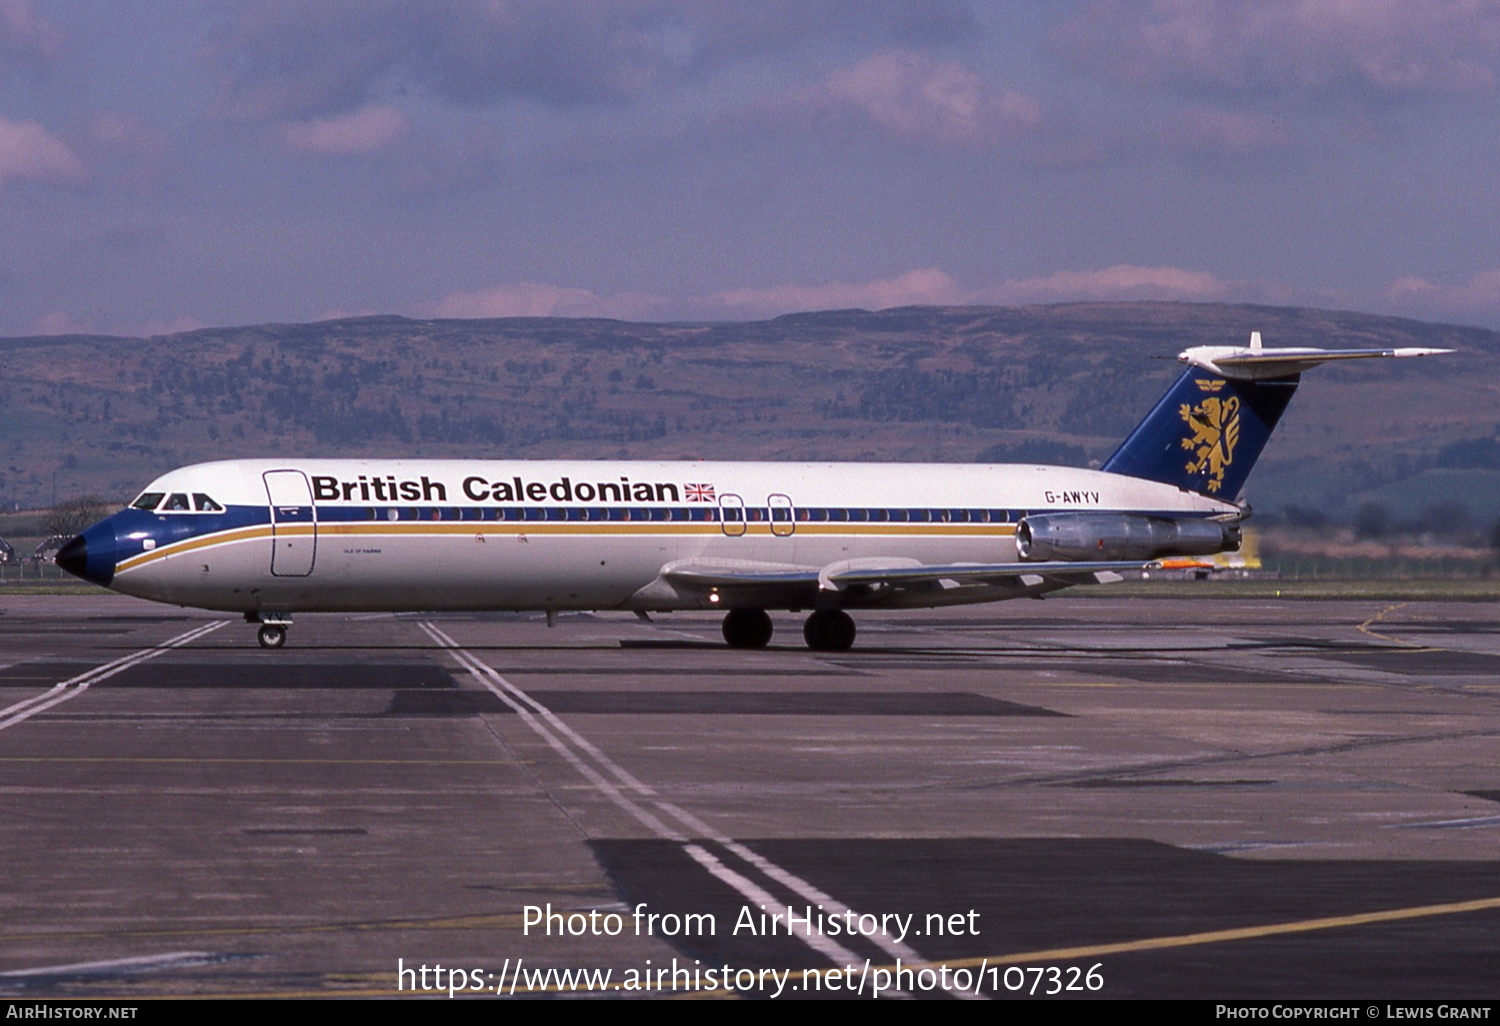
point(269, 538)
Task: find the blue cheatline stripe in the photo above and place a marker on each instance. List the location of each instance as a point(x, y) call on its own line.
point(173, 527)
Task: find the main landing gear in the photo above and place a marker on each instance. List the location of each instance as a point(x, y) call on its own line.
point(272, 633)
point(827, 630)
point(747, 628)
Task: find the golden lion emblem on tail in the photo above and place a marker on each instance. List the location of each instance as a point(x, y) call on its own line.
point(1216, 430)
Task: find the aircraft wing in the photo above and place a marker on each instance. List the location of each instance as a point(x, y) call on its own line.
point(908, 573)
point(986, 573)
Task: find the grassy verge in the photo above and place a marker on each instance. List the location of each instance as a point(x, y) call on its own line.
point(45, 587)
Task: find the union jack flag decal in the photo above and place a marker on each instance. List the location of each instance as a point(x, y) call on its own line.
point(700, 493)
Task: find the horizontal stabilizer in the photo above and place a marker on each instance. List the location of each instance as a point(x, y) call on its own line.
point(1255, 362)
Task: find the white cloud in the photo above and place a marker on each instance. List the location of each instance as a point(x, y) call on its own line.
point(362, 131)
point(926, 286)
point(24, 35)
point(1122, 281)
point(930, 286)
point(529, 299)
point(283, 59)
point(1476, 299)
point(911, 98)
point(29, 152)
point(1360, 50)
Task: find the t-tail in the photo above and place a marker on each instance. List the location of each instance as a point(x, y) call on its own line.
point(1209, 429)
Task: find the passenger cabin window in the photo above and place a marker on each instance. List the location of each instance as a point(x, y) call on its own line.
point(176, 502)
point(203, 504)
point(148, 500)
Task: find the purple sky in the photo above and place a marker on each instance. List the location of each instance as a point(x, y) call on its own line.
point(173, 164)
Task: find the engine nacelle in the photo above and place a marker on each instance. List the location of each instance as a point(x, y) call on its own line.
point(1105, 536)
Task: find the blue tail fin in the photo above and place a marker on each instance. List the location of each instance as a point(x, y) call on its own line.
point(1206, 433)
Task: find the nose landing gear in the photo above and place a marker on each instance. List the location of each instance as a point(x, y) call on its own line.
point(829, 630)
point(272, 633)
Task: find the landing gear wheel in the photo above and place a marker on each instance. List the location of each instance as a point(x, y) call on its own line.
point(747, 628)
point(829, 630)
point(271, 635)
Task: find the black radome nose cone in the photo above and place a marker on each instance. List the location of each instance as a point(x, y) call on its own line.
point(74, 557)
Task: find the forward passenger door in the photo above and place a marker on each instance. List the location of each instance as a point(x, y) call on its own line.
point(294, 523)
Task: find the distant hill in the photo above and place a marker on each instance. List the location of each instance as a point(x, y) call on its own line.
point(1064, 382)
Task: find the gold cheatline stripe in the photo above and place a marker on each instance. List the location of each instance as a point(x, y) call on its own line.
point(220, 538)
point(555, 527)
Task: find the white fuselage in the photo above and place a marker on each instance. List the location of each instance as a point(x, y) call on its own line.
point(308, 535)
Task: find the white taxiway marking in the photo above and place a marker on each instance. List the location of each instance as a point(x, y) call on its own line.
point(117, 966)
point(75, 686)
point(829, 949)
point(1468, 823)
point(538, 717)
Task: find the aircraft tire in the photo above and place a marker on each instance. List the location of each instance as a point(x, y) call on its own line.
point(271, 635)
point(829, 630)
point(747, 628)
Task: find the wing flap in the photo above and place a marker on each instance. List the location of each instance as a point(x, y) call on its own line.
point(982, 573)
point(740, 577)
point(841, 576)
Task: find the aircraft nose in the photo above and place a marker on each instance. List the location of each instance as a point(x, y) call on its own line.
point(89, 556)
point(74, 556)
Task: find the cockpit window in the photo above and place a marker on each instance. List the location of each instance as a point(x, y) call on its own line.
point(203, 504)
point(148, 500)
point(175, 502)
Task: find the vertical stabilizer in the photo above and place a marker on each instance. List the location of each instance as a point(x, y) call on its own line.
point(1206, 433)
